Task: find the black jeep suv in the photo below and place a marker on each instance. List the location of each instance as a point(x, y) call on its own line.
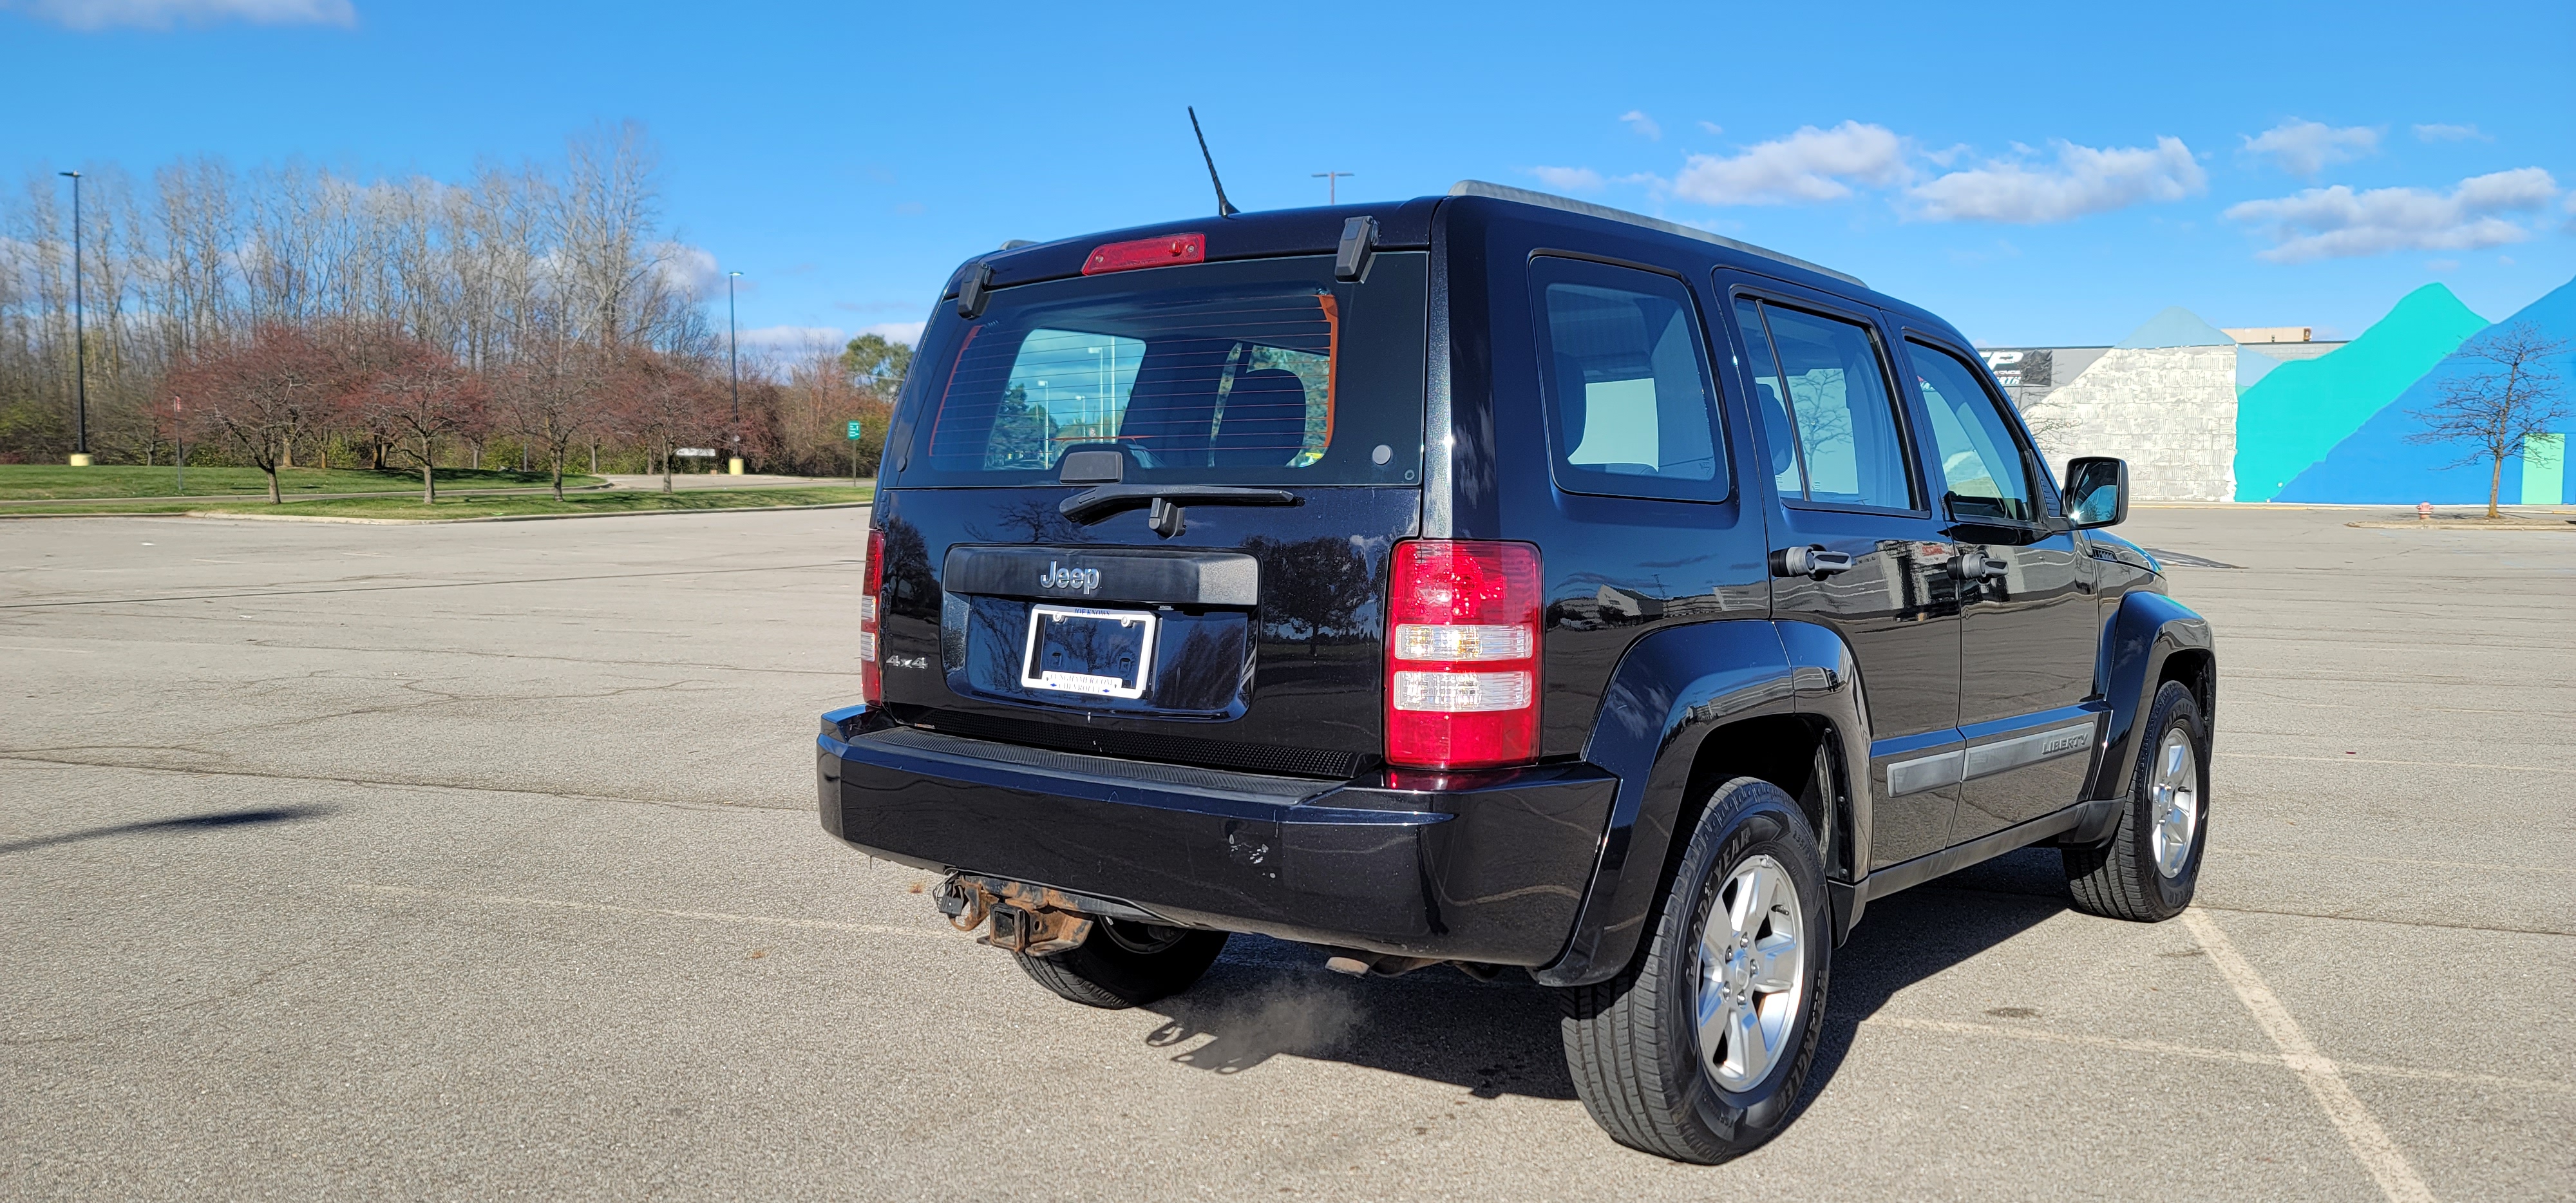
point(1504, 581)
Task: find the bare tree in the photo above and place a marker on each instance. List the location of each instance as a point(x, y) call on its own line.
point(2508, 394)
point(551, 398)
point(612, 267)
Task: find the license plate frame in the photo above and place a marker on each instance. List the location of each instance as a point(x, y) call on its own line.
point(1082, 677)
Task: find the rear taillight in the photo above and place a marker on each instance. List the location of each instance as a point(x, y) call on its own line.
point(871, 605)
point(1462, 654)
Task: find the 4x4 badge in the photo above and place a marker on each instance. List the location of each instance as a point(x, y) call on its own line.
point(1085, 579)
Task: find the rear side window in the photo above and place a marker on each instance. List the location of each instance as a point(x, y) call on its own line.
point(1825, 397)
point(1984, 473)
point(1267, 370)
point(1632, 412)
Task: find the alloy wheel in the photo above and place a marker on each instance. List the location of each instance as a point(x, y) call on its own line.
point(1751, 977)
point(2173, 798)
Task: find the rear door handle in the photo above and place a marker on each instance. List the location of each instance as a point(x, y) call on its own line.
point(1810, 561)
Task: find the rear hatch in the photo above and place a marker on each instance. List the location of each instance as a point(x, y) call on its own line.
point(1147, 513)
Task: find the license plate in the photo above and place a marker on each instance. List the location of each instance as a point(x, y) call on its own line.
point(1103, 653)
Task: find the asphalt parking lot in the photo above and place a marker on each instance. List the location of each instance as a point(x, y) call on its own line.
point(480, 860)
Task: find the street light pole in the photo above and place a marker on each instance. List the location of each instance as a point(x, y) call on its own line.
point(733, 370)
point(80, 339)
point(1332, 181)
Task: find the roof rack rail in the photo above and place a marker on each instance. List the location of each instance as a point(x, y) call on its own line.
point(1606, 213)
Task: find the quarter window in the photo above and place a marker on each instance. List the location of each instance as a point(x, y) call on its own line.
point(1628, 388)
point(1983, 472)
point(1824, 398)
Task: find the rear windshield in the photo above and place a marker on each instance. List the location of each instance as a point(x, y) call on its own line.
point(1265, 371)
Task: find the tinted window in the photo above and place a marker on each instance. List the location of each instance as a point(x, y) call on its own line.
point(1841, 415)
point(1770, 403)
point(1983, 472)
point(1631, 406)
point(1268, 370)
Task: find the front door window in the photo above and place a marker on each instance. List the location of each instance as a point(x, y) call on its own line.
point(1984, 475)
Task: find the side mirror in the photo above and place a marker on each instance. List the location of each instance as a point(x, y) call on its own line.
point(2096, 492)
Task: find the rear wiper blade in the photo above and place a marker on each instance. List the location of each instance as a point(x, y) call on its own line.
point(1094, 504)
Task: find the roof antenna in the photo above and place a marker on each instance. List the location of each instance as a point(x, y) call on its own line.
point(1224, 207)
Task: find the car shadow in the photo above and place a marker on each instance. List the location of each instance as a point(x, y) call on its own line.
point(1267, 998)
point(1915, 935)
point(186, 823)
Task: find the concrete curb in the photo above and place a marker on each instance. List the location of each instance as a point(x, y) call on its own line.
point(258, 517)
point(2568, 526)
point(2406, 506)
point(205, 497)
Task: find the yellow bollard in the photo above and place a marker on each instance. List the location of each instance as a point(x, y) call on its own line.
point(733, 467)
point(80, 459)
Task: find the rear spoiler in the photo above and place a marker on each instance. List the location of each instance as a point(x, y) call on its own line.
point(1399, 227)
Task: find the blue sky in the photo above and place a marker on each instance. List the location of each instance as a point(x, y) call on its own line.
point(2039, 174)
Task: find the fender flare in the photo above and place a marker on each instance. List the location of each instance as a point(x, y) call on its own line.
point(1671, 689)
point(2148, 630)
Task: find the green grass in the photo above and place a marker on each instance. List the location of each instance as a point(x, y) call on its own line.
point(58, 482)
point(619, 502)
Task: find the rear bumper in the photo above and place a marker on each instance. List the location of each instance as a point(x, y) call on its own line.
point(1482, 867)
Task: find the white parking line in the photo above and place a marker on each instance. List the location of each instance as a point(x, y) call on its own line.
point(2324, 1078)
point(2396, 1177)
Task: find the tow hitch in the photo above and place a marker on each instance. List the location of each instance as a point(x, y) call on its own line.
point(1036, 920)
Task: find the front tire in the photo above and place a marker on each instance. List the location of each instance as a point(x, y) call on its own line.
point(1123, 964)
point(1699, 1050)
point(2149, 868)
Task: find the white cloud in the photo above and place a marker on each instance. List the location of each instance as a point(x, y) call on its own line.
point(2438, 132)
point(2304, 148)
point(162, 14)
point(1808, 166)
point(1568, 179)
point(1638, 120)
point(688, 270)
point(793, 338)
point(2338, 223)
point(907, 333)
point(1712, 127)
point(2083, 181)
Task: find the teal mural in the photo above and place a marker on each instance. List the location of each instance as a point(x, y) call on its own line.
point(2296, 414)
point(2376, 464)
point(2544, 469)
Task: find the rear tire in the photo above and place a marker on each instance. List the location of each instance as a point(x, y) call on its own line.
point(1698, 1051)
point(2147, 871)
point(1123, 964)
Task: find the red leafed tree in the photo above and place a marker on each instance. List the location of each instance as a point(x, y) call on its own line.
point(420, 395)
point(254, 396)
point(664, 401)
